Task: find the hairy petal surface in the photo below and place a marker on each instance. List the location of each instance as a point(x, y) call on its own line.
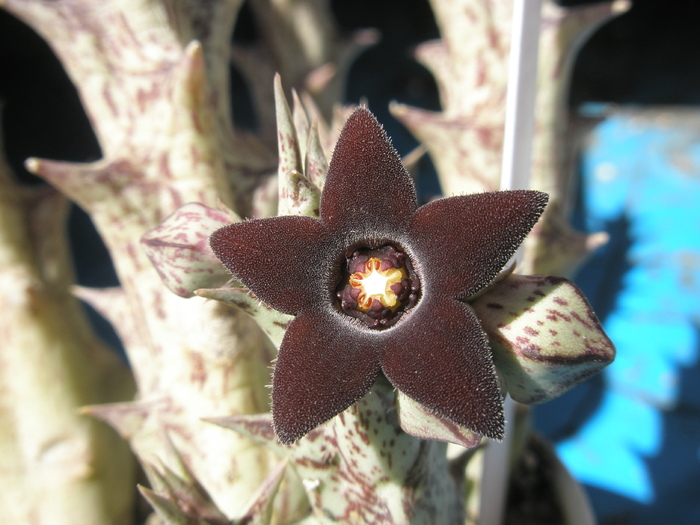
point(324, 366)
point(463, 242)
point(439, 356)
point(367, 184)
point(277, 258)
point(544, 335)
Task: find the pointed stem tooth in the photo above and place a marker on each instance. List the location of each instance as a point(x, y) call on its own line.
point(471, 162)
point(184, 491)
point(168, 511)
point(174, 458)
point(301, 123)
point(157, 480)
point(77, 181)
point(316, 162)
point(288, 149)
point(314, 114)
point(112, 304)
point(126, 418)
point(272, 322)
point(256, 426)
point(259, 508)
point(104, 300)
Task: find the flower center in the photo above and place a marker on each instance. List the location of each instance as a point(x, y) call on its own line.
point(375, 283)
point(378, 286)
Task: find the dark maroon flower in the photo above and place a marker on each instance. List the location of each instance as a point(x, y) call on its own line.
point(379, 285)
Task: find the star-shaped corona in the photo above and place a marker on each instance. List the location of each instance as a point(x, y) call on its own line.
point(375, 285)
point(380, 286)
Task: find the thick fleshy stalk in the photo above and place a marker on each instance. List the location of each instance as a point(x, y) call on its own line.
point(157, 100)
point(362, 468)
point(58, 466)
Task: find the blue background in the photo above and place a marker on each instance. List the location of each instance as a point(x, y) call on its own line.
point(633, 435)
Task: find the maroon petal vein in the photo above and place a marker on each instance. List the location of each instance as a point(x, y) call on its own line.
point(323, 368)
point(439, 356)
point(461, 243)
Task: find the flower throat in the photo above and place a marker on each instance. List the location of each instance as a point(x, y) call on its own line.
point(378, 286)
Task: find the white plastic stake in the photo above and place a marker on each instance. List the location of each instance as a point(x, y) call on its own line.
point(515, 174)
point(520, 101)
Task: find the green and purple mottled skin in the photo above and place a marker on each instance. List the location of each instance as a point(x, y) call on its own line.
point(436, 353)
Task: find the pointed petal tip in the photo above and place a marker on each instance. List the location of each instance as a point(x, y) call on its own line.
point(292, 424)
point(367, 183)
point(323, 368)
point(288, 437)
point(259, 508)
point(363, 114)
point(217, 240)
point(490, 225)
point(363, 122)
point(542, 197)
point(194, 48)
point(451, 372)
point(533, 202)
point(257, 427)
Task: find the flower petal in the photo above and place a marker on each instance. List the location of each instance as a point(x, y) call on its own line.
point(324, 366)
point(461, 243)
point(277, 258)
point(544, 334)
point(367, 185)
point(439, 356)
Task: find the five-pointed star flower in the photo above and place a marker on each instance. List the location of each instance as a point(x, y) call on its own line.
point(378, 285)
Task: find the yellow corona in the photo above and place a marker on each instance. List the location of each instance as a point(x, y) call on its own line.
point(375, 283)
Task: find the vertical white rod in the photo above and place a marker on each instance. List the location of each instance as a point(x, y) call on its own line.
point(520, 101)
point(496, 472)
point(515, 174)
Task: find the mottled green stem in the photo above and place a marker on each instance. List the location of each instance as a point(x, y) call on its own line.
point(159, 114)
point(58, 466)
